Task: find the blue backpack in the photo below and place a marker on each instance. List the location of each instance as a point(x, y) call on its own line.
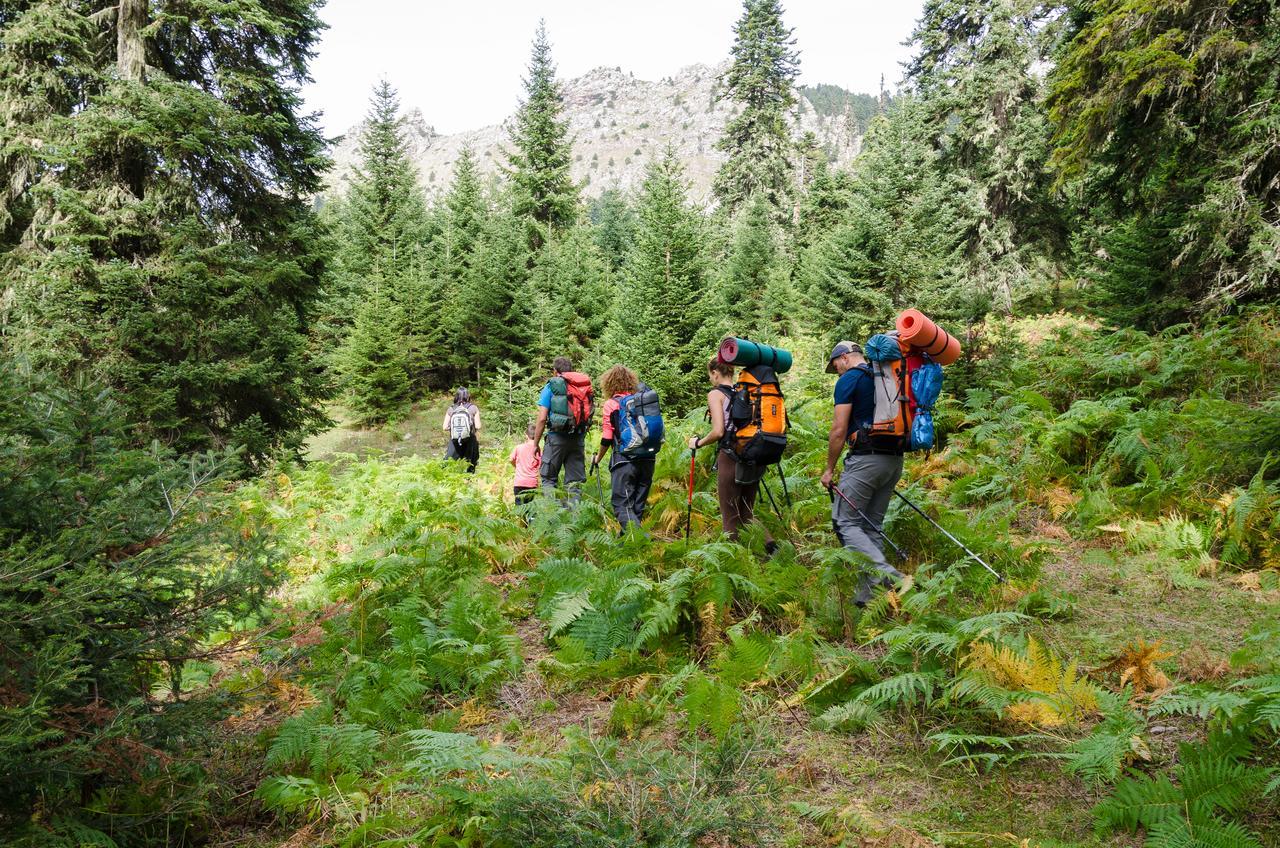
point(640, 429)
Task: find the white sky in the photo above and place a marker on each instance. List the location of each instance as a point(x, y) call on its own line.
point(461, 61)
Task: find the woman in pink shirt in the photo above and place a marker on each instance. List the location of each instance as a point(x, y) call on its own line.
point(527, 460)
point(629, 479)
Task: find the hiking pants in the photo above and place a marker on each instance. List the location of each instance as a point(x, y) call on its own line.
point(467, 450)
point(629, 482)
point(737, 501)
point(868, 481)
point(564, 450)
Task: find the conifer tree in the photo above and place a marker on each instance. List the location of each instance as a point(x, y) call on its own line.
point(464, 214)
point(827, 198)
point(544, 193)
point(615, 226)
point(372, 364)
point(573, 296)
point(156, 225)
point(382, 263)
point(495, 326)
point(666, 320)
point(761, 81)
point(975, 74)
point(756, 286)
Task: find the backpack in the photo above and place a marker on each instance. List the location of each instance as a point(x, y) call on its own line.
point(757, 427)
point(639, 432)
point(462, 425)
point(573, 403)
point(906, 388)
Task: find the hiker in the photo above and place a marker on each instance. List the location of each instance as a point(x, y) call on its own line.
point(565, 408)
point(737, 499)
point(632, 454)
point(871, 467)
point(526, 459)
point(462, 423)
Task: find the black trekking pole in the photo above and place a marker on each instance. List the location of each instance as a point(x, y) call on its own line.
point(947, 533)
point(901, 554)
point(785, 494)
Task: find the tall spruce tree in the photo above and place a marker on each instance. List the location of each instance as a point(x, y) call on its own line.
point(975, 71)
point(615, 226)
point(1165, 124)
point(666, 320)
point(155, 219)
point(572, 293)
point(761, 81)
point(464, 215)
point(545, 196)
point(757, 286)
point(495, 309)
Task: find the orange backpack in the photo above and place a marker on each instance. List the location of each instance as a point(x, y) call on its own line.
point(757, 425)
point(890, 373)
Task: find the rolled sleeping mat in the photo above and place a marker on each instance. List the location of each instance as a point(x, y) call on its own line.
point(745, 353)
point(917, 330)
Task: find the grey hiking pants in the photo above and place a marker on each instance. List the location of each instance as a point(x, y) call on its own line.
point(564, 450)
point(867, 481)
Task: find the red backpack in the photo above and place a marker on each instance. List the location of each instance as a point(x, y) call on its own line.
point(573, 403)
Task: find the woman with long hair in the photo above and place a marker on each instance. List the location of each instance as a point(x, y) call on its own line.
point(737, 499)
point(629, 479)
point(462, 426)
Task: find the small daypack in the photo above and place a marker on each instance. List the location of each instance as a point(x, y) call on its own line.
point(639, 433)
point(462, 423)
point(757, 427)
point(572, 403)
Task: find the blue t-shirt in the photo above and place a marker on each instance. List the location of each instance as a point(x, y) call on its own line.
point(856, 387)
point(544, 399)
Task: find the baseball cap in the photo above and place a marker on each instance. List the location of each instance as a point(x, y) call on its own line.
point(838, 351)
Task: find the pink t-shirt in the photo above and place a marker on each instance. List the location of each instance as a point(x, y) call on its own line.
point(527, 459)
point(610, 406)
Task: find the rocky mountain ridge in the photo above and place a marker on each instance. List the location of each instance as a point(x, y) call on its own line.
point(618, 124)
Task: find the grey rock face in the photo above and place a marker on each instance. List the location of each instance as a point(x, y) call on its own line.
point(618, 124)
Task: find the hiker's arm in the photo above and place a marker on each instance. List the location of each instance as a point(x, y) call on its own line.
point(445, 423)
point(540, 426)
point(477, 420)
point(835, 440)
point(605, 444)
point(715, 405)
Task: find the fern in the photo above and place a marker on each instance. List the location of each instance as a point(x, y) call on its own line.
point(849, 717)
point(710, 703)
point(1101, 756)
point(1205, 832)
point(903, 689)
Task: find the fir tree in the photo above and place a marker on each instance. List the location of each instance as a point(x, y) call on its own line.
point(756, 286)
point(615, 226)
point(827, 198)
point(160, 224)
point(573, 296)
point(373, 363)
point(464, 216)
point(974, 72)
point(545, 195)
point(666, 320)
point(761, 81)
point(494, 306)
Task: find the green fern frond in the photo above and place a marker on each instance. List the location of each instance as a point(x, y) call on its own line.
point(903, 689)
point(1202, 832)
point(849, 717)
point(1139, 801)
point(565, 609)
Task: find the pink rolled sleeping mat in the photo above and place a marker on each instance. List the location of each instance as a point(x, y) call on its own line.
point(922, 334)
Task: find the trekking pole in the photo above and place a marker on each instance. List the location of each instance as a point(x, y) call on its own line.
point(688, 516)
point(901, 554)
point(947, 533)
point(785, 494)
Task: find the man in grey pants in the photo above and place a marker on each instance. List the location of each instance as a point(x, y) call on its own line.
point(564, 449)
point(871, 468)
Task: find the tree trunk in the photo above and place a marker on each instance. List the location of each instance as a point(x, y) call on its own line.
point(131, 48)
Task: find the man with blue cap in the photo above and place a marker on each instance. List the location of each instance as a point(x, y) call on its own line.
point(872, 466)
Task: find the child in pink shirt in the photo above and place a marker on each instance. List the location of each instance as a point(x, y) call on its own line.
point(527, 460)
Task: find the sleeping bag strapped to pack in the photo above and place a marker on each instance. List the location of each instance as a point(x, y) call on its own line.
point(640, 428)
point(572, 403)
point(926, 384)
point(757, 427)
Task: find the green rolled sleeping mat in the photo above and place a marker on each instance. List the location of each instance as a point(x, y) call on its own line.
point(746, 353)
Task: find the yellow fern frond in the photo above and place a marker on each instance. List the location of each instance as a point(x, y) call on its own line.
point(1034, 713)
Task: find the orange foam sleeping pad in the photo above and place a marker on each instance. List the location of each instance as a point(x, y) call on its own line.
point(915, 329)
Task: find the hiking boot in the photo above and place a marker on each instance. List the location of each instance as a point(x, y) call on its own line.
point(770, 547)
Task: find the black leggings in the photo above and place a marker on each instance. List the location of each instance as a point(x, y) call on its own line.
point(467, 450)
